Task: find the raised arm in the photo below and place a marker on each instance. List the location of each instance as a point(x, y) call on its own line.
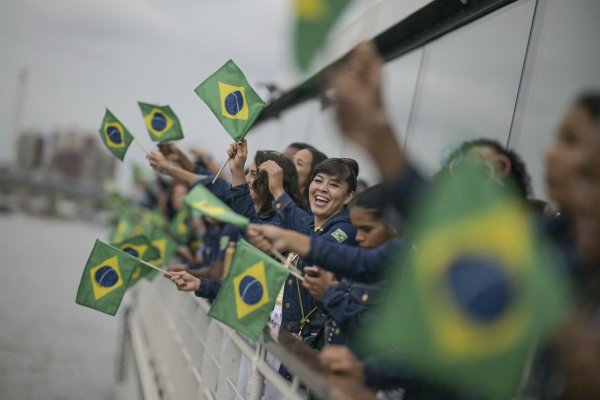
point(343, 260)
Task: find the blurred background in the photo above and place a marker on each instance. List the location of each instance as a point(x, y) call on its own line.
point(508, 75)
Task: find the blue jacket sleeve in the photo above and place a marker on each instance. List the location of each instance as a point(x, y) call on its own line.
point(347, 301)
point(221, 188)
point(292, 216)
point(351, 262)
point(208, 288)
point(242, 203)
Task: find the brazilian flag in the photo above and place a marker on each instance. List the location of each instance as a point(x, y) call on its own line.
point(201, 199)
point(105, 278)
point(167, 248)
point(161, 122)
point(249, 291)
point(179, 227)
point(314, 19)
point(131, 222)
point(114, 135)
point(475, 292)
point(231, 98)
point(139, 247)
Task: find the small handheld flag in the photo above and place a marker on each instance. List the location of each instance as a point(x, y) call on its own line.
point(114, 135)
point(105, 278)
point(201, 199)
point(161, 122)
point(139, 247)
point(314, 18)
point(249, 291)
point(167, 248)
point(179, 227)
point(475, 292)
point(231, 99)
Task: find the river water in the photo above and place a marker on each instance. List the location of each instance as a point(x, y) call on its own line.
point(50, 347)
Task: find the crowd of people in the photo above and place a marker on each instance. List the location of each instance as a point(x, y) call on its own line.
point(340, 236)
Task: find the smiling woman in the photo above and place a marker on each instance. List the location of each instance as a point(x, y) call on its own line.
point(332, 187)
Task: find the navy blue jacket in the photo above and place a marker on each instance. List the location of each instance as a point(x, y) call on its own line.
point(349, 307)
point(301, 314)
point(367, 266)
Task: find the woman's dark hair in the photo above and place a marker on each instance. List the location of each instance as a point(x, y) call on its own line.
point(518, 171)
point(344, 169)
point(372, 199)
point(299, 145)
point(317, 157)
point(591, 101)
point(290, 180)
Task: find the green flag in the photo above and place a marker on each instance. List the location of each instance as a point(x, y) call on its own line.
point(314, 18)
point(167, 248)
point(231, 98)
point(178, 226)
point(139, 247)
point(475, 292)
point(105, 278)
point(249, 291)
point(201, 199)
point(114, 135)
point(131, 221)
point(161, 122)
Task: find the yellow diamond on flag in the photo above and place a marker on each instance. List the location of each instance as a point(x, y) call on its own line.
point(136, 273)
point(207, 208)
point(136, 251)
point(114, 132)
point(106, 277)
point(503, 248)
point(233, 101)
point(311, 9)
point(251, 291)
point(161, 245)
point(157, 122)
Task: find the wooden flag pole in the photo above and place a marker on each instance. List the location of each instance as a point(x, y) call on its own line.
point(140, 144)
point(154, 267)
point(283, 260)
point(220, 170)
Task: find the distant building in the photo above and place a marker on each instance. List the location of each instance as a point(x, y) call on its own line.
point(70, 154)
point(30, 151)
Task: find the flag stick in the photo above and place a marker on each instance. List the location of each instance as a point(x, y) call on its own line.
point(154, 267)
point(220, 170)
point(140, 144)
point(283, 260)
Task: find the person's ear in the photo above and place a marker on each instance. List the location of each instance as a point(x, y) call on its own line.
point(348, 198)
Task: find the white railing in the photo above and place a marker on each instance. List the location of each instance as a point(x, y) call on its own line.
point(172, 349)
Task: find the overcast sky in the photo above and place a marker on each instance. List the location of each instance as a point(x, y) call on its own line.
point(83, 55)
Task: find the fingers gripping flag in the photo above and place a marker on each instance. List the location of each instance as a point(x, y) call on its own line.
point(114, 135)
point(249, 290)
point(231, 99)
point(105, 278)
point(161, 122)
